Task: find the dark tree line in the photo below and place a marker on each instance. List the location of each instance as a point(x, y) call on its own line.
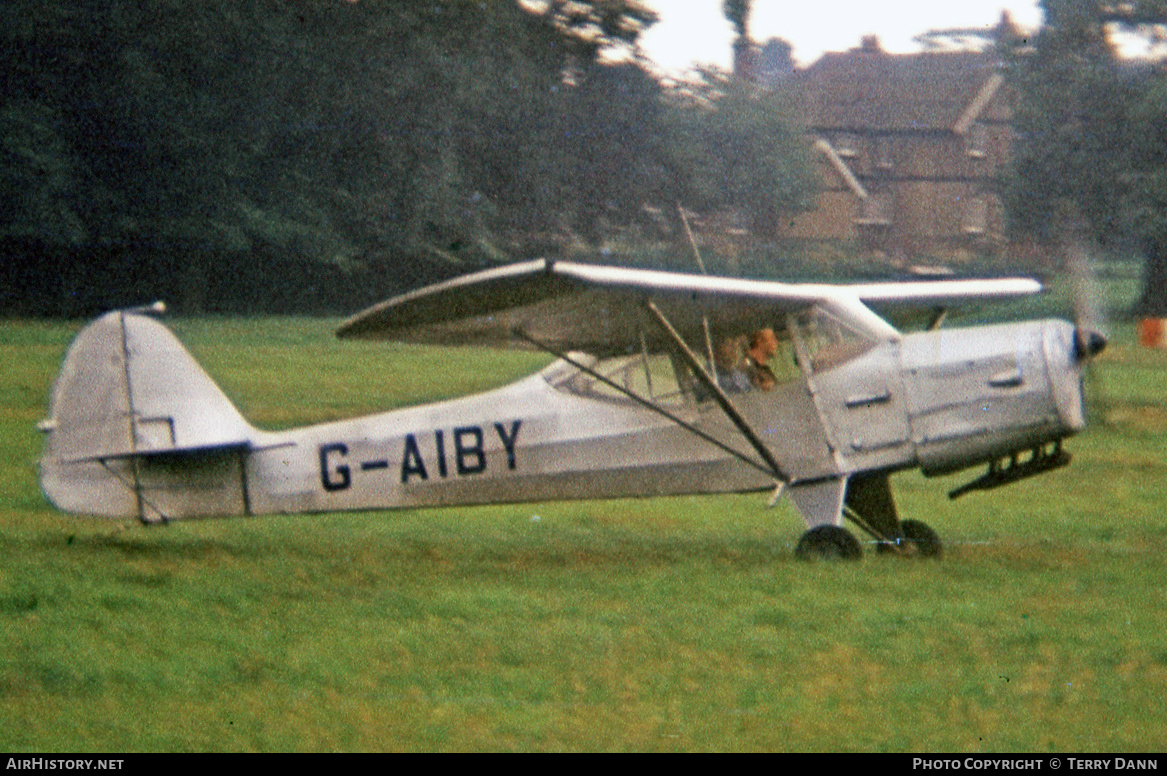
point(273, 154)
point(1091, 151)
point(286, 155)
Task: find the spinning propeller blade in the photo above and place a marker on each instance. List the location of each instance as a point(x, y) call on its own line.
point(1089, 304)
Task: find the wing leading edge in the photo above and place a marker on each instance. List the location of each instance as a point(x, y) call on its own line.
point(601, 309)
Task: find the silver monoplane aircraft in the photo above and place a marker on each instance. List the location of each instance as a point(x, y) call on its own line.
point(664, 383)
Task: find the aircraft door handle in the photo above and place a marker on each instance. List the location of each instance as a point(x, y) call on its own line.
point(1010, 378)
point(867, 399)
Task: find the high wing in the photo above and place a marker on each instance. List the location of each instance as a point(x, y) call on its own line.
point(601, 309)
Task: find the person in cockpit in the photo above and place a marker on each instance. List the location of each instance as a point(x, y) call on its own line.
point(730, 361)
point(762, 348)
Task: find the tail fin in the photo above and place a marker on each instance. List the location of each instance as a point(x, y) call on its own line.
point(137, 429)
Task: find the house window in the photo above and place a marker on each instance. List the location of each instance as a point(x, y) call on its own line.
point(875, 210)
point(976, 141)
point(976, 216)
point(847, 145)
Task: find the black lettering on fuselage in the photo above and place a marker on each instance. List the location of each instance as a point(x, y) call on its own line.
point(468, 453)
point(440, 444)
point(464, 447)
point(411, 463)
point(508, 441)
point(335, 478)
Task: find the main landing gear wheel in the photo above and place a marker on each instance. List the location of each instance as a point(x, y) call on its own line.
point(828, 542)
point(919, 541)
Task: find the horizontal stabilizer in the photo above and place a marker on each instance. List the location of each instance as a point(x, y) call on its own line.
point(163, 452)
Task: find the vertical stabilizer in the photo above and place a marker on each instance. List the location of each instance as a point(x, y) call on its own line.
point(129, 401)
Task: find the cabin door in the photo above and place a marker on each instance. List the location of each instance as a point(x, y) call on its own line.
point(858, 390)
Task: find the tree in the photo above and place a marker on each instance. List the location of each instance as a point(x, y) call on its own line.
point(1087, 144)
point(595, 27)
point(198, 145)
point(1148, 193)
point(737, 13)
point(1068, 154)
point(610, 127)
point(732, 146)
point(411, 133)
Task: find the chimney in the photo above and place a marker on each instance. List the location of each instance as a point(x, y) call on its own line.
point(745, 59)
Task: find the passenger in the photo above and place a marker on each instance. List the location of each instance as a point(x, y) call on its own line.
point(763, 347)
point(731, 374)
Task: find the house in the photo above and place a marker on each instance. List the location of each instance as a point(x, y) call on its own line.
point(908, 147)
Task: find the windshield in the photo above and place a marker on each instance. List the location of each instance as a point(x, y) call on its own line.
point(825, 342)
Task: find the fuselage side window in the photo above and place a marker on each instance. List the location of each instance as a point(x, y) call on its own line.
point(755, 361)
point(651, 376)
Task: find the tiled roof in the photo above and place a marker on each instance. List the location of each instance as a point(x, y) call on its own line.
point(866, 90)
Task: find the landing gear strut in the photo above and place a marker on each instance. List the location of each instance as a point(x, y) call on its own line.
point(868, 503)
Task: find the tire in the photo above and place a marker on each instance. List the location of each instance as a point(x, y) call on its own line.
point(921, 540)
point(828, 542)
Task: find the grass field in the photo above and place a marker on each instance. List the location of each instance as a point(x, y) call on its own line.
point(679, 624)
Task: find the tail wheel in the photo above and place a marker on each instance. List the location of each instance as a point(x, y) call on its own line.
point(828, 542)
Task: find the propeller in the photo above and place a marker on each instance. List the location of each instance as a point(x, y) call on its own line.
point(1090, 330)
point(1089, 303)
point(1088, 344)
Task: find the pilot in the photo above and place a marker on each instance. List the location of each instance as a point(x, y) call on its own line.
point(731, 374)
point(763, 347)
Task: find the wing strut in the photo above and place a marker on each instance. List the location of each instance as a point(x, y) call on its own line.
point(642, 401)
point(719, 395)
point(701, 265)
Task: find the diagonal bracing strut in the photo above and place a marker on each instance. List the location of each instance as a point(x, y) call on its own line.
point(719, 395)
point(647, 403)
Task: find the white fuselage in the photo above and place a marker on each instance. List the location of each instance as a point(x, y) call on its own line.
point(939, 400)
point(527, 441)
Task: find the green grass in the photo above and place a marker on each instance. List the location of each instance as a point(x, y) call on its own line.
point(680, 624)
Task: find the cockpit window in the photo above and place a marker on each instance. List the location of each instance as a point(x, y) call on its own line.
point(824, 342)
point(654, 376)
point(760, 360)
point(741, 363)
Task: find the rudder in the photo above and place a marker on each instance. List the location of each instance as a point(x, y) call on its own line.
point(136, 428)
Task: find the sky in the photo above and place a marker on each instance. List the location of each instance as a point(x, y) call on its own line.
point(696, 31)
